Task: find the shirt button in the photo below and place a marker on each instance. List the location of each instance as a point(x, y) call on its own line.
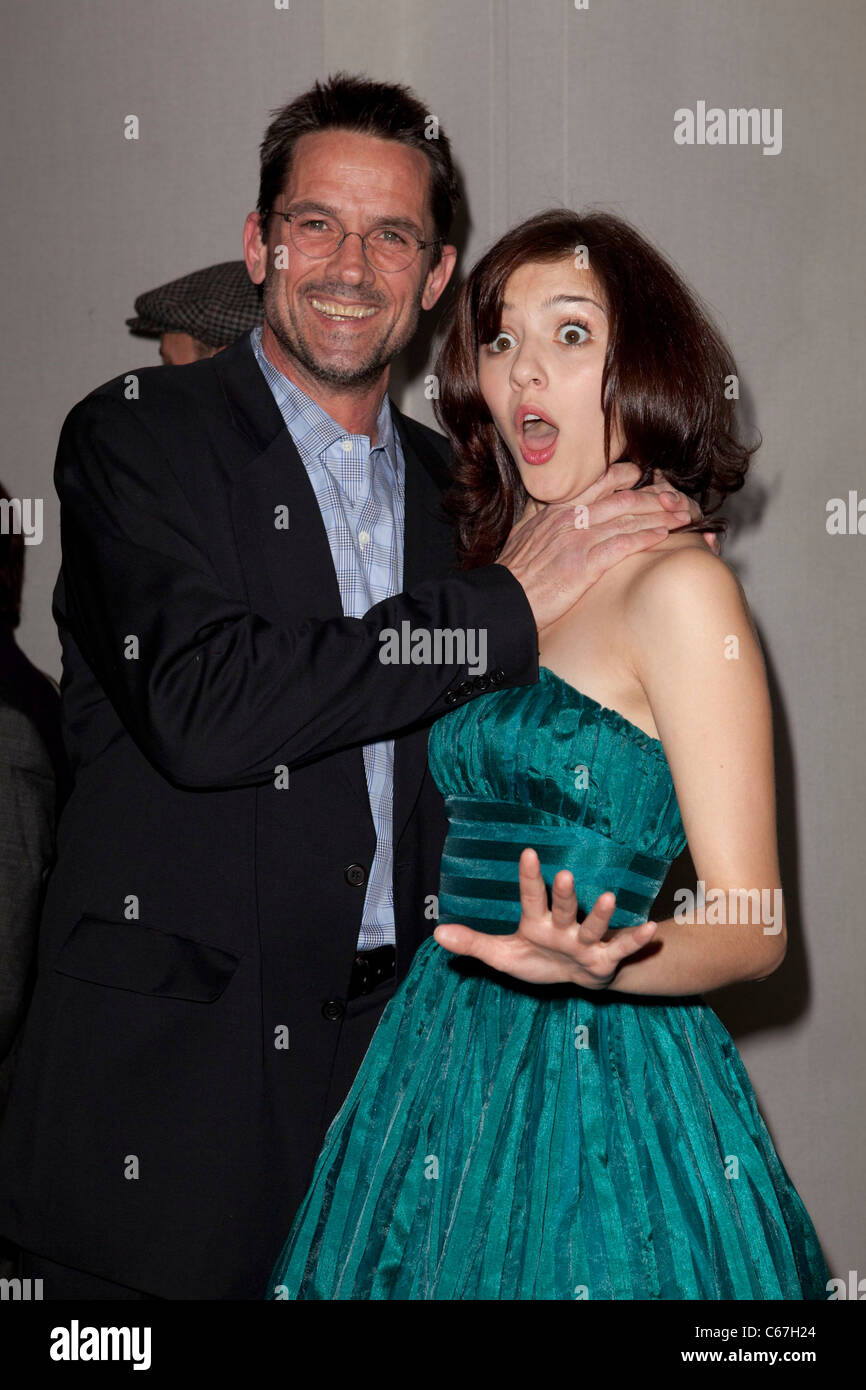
point(364, 537)
point(346, 446)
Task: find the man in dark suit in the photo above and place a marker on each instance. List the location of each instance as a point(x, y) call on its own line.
point(248, 859)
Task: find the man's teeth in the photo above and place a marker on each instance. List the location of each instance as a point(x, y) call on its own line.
point(342, 311)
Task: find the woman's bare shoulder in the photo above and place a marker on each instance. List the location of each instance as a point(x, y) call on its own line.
point(682, 576)
point(671, 560)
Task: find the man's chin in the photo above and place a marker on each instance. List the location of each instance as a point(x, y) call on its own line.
point(349, 377)
point(338, 369)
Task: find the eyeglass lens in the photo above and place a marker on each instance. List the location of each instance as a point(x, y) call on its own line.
point(388, 248)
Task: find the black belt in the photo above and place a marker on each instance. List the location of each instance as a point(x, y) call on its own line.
point(371, 969)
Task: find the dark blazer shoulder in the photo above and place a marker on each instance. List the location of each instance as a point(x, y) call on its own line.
point(175, 405)
point(159, 389)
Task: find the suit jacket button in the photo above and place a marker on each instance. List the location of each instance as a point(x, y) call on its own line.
point(356, 874)
point(333, 1009)
point(497, 676)
point(465, 688)
point(450, 697)
point(481, 682)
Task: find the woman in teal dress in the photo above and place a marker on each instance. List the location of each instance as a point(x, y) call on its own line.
point(548, 1108)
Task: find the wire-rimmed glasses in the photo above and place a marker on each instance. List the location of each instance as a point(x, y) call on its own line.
point(319, 234)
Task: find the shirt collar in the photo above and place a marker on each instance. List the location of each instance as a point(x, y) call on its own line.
point(293, 401)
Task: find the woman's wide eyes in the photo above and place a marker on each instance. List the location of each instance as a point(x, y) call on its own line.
point(570, 329)
point(569, 334)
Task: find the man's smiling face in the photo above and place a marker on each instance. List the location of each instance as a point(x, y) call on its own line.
point(365, 182)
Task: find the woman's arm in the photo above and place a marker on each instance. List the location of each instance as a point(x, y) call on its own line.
point(695, 651)
point(696, 654)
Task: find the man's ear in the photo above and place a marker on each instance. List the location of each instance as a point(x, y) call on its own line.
point(438, 277)
point(255, 249)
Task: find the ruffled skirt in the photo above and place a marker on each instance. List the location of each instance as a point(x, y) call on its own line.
point(511, 1142)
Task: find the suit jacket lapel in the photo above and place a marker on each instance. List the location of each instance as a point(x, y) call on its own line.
point(290, 573)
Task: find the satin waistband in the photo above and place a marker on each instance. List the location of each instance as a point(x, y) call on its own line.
point(479, 878)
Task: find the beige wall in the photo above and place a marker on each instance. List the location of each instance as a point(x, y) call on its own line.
point(544, 104)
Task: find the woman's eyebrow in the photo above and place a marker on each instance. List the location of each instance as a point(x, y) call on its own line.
point(563, 299)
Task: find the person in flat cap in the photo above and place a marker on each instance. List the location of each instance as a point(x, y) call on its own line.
point(199, 314)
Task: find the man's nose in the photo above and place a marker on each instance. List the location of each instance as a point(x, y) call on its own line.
point(350, 262)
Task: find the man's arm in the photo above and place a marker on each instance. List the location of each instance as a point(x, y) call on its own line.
point(214, 694)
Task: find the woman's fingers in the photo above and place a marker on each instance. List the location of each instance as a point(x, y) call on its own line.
point(631, 939)
point(463, 941)
point(509, 954)
point(597, 921)
point(563, 900)
point(533, 894)
point(550, 944)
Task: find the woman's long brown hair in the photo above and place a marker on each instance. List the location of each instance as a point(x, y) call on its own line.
point(663, 383)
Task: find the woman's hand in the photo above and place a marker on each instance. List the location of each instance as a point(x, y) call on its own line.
point(550, 946)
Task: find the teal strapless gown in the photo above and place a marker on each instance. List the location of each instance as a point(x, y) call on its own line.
point(507, 1141)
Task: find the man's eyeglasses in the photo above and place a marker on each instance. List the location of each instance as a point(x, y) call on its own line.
point(317, 235)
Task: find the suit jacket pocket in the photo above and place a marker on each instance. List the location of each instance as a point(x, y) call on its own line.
point(146, 960)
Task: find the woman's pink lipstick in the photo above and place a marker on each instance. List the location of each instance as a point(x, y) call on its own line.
point(535, 456)
point(530, 455)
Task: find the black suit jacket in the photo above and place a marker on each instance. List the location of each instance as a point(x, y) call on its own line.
point(160, 1134)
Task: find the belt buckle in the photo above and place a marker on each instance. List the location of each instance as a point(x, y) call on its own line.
point(370, 969)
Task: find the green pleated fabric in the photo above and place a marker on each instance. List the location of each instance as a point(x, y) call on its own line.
point(505, 1141)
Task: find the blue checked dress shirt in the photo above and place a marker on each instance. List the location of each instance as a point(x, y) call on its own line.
point(361, 494)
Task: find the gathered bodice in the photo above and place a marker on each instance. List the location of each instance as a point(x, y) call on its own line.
point(547, 766)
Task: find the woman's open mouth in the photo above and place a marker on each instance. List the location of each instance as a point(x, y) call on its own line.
point(536, 436)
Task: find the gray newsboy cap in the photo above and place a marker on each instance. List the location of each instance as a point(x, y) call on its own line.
point(215, 305)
